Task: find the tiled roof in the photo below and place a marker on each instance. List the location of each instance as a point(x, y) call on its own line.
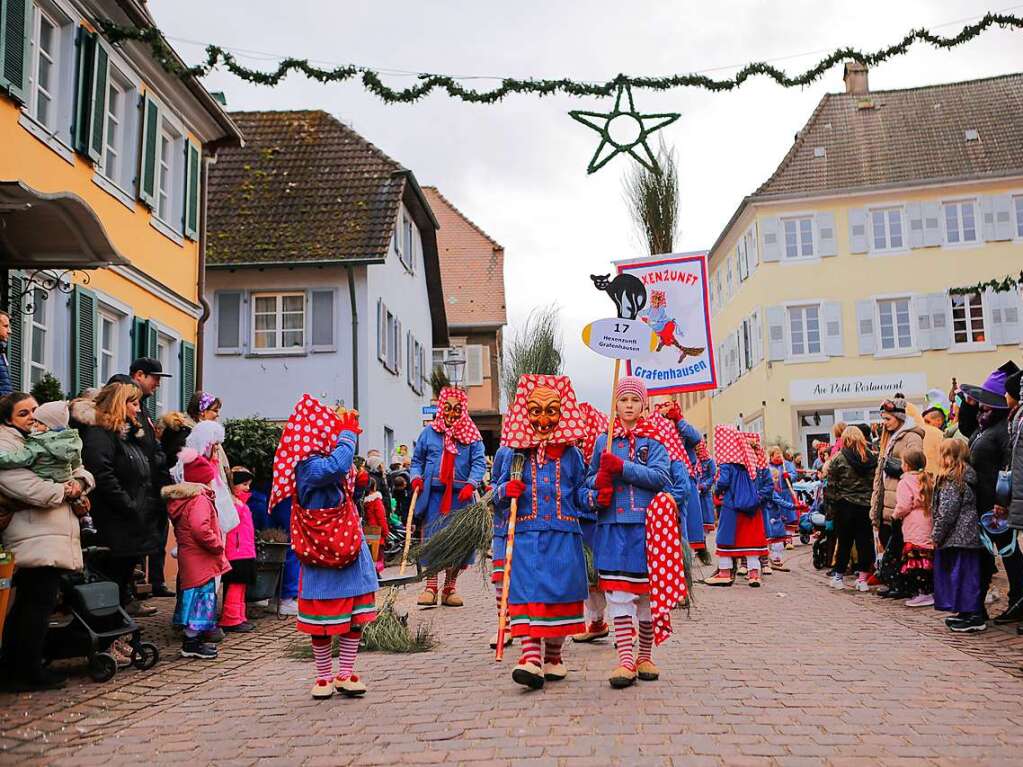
point(471, 264)
point(886, 138)
point(305, 187)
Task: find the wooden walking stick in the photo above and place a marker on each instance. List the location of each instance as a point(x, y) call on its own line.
point(408, 533)
point(502, 620)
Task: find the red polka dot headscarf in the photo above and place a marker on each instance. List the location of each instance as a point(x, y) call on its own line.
point(733, 446)
point(463, 431)
point(596, 424)
point(667, 434)
point(312, 429)
point(517, 432)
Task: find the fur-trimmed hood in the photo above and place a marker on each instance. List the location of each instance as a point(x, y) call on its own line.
point(83, 410)
point(182, 491)
point(176, 421)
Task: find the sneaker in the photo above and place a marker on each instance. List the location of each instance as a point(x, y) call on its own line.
point(288, 607)
point(137, 609)
point(241, 628)
point(1014, 614)
point(862, 585)
point(193, 648)
point(837, 582)
point(873, 580)
point(920, 600)
point(969, 625)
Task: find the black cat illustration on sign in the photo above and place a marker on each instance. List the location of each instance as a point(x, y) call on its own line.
point(626, 290)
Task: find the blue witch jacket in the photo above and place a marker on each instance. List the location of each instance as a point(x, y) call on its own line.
point(470, 466)
point(643, 476)
point(555, 496)
point(690, 439)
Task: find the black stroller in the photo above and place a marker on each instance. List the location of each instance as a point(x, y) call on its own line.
point(92, 620)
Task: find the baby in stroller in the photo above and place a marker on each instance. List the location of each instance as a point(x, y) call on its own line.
point(814, 524)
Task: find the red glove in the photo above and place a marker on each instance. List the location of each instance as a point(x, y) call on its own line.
point(603, 480)
point(466, 493)
point(673, 413)
point(417, 485)
point(786, 475)
point(611, 463)
point(349, 420)
point(514, 488)
point(362, 479)
point(604, 496)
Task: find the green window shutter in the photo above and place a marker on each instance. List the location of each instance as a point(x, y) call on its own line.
point(139, 338)
point(84, 321)
point(192, 165)
point(85, 47)
point(147, 159)
point(187, 372)
point(98, 121)
point(15, 32)
point(15, 344)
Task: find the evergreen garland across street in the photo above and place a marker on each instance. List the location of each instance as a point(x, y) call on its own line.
point(372, 81)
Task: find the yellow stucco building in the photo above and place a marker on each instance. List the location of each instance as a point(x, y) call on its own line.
point(103, 155)
point(830, 284)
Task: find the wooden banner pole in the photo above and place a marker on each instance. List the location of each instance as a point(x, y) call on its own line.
point(611, 420)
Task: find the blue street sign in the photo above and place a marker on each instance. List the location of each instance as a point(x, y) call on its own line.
point(429, 410)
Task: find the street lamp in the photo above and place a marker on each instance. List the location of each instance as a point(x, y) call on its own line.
point(454, 365)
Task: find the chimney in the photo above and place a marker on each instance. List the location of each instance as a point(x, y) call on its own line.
point(856, 78)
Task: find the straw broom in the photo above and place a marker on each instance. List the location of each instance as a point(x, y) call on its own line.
point(470, 531)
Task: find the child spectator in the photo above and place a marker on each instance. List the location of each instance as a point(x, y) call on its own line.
point(913, 506)
point(192, 510)
point(240, 547)
point(52, 451)
point(957, 558)
point(376, 515)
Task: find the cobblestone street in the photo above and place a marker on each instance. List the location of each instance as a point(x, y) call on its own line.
point(793, 673)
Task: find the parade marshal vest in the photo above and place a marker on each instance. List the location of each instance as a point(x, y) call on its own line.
point(326, 537)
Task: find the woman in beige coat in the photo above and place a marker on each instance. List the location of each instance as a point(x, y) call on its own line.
point(899, 434)
point(43, 534)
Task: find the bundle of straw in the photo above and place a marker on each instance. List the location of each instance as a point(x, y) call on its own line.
point(591, 567)
point(470, 531)
point(390, 631)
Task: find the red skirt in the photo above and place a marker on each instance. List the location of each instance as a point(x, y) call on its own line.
point(750, 538)
point(667, 333)
point(916, 558)
point(633, 583)
point(331, 617)
point(539, 621)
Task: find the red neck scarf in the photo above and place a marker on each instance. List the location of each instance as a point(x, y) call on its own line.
point(461, 432)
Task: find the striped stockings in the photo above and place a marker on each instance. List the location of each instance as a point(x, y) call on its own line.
point(646, 640)
point(451, 579)
point(431, 584)
point(346, 656)
point(623, 641)
point(321, 658)
point(552, 649)
point(530, 651)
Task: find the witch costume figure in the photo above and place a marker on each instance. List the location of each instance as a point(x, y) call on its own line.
point(448, 464)
point(338, 580)
point(638, 544)
point(706, 476)
point(744, 485)
point(665, 326)
point(548, 579)
point(596, 604)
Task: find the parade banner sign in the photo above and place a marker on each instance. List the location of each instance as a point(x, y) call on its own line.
point(618, 338)
point(677, 311)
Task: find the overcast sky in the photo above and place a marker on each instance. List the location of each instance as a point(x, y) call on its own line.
point(518, 168)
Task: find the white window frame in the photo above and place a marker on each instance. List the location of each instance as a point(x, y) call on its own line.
point(806, 354)
point(172, 222)
point(165, 354)
point(1017, 204)
point(278, 329)
point(960, 230)
point(112, 356)
point(898, 351)
point(55, 132)
point(886, 224)
point(797, 221)
point(970, 345)
point(126, 145)
point(31, 324)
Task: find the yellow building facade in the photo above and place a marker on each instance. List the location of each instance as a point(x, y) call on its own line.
point(830, 285)
point(102, 161)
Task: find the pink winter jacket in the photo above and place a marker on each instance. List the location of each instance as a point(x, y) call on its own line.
point(201, 557)
point(241, 541)
point(917, 524)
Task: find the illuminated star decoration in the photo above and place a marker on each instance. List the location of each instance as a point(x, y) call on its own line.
point(623, 130)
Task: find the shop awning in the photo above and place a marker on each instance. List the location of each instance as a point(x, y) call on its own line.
point(51, 231)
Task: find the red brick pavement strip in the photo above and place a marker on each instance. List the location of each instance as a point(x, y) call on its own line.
point(792, 673)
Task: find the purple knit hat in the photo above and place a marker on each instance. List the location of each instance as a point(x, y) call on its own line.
point(992, 391)
point(631, 385)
